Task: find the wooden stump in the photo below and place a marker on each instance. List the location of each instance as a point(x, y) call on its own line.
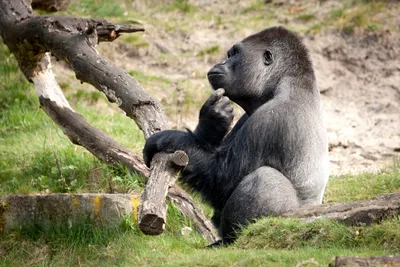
point(163, 174)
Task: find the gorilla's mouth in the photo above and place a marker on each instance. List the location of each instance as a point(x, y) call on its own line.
point(213, 73)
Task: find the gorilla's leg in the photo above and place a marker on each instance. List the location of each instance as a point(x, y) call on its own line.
point(265, 191)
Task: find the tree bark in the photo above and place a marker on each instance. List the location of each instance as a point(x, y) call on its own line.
point(363, 212)
point(163, 174)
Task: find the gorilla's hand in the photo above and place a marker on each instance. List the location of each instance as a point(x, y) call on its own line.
point(216, 116)
point(165, 141)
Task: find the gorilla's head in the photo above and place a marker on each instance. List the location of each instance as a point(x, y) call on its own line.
point(255, 66)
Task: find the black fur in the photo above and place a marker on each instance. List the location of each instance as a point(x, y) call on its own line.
point(275, 157)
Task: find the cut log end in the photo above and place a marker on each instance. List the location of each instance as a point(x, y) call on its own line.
point(152, 224)
point(180, 158)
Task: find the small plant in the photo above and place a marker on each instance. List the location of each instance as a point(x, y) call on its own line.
point(129, 224)
point(373, 27)
point(209, 51)
point(316, 28)
point(255, 6)
point(306, 17)
point(182, 6)
point(136, 40)
point(65, 85)
point(337, 13)
point(123, 180)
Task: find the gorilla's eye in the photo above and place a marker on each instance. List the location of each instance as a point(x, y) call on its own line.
point(268, 58)
point(233, 51)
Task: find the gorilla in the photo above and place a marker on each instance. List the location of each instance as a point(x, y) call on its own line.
point(275, 158)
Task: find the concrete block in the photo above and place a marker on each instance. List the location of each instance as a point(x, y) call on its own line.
point(46, 211)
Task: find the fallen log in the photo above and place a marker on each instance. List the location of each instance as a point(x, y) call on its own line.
point(363, 212)
point(163, 174)
point(366, 261)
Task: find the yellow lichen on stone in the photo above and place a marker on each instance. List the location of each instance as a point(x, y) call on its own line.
point(97, 204)
point(75, 202)
point(135, 205)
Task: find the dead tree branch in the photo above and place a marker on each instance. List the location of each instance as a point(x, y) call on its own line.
point(32, 38)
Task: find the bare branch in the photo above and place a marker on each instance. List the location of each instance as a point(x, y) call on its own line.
point(110, 32)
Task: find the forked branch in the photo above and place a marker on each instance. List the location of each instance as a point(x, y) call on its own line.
point(31, 38)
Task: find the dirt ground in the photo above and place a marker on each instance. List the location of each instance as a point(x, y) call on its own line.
point(358, 75)
point(359, 81)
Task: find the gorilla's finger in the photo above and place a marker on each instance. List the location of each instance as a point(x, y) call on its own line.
point(219, 92)
point(215, 96)
point(225, 100)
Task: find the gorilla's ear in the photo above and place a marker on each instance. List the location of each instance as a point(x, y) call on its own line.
point(268, 58)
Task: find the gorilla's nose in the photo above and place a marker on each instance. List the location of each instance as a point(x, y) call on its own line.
point(216, 70)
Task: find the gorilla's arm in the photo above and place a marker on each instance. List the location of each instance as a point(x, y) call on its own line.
point(237, 126)
point(167, 141)
point(215, 118)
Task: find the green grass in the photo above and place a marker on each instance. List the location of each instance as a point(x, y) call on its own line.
point(290, 233)
point(144, 78)
point(363, 186)
point(97, 8)
point(127, 246)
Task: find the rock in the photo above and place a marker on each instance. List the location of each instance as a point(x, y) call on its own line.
point(46, 211)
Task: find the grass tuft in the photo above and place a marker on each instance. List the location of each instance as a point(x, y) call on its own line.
point(363, 186)
point(181, 5)
point(291, 233)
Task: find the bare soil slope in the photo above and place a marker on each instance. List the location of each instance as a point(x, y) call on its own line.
point(359, 79)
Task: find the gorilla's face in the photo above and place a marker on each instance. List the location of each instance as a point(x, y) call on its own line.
point(245, 73)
